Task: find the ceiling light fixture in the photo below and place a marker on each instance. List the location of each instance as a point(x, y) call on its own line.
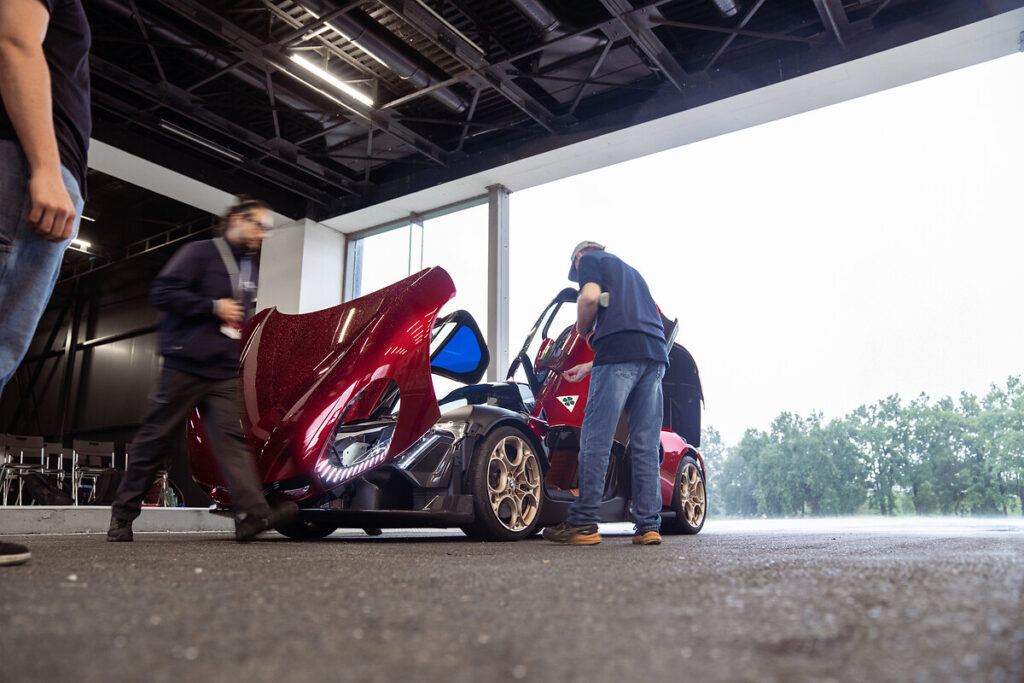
point(303, 81)
point(82, 244)
point(727, 7)
point(332, 79)
point(86, 218)
point(200, 140)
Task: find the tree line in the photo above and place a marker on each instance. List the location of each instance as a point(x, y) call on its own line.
point(961, 456)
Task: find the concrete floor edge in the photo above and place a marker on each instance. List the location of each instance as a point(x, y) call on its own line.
point(29, 520)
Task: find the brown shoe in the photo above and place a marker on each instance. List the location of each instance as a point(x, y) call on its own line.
point(647, 538)
point(571, 534)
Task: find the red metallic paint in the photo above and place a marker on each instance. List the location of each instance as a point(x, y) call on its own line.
point(299, 373)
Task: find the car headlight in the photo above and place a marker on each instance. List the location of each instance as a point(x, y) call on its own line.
point(353, 450)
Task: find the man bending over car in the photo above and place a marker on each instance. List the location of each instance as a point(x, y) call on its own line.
point(624, 328)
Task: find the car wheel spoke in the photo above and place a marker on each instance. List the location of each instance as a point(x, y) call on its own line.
point(513, 482)
point(692, 495)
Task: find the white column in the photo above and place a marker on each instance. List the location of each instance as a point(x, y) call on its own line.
point(415, 243)
point(497, 281)
point(302, 268)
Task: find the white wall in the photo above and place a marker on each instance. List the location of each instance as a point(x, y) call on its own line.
point(301, 268)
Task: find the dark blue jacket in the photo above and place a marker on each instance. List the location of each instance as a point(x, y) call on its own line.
point(184, 291)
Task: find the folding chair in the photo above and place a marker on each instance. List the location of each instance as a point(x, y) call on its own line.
point(23, 455)
point(91, 460)
point(58, 462)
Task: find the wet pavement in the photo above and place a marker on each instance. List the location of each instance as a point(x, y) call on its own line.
point(823, 600)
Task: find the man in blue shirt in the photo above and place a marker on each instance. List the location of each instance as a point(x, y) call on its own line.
point(617, 315)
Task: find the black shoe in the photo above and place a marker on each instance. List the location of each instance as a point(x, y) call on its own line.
point(250, 526)
point(13, 553)
point(120, 531)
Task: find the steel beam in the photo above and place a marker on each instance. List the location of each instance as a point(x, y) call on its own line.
point(728, 41)
point(482, 74)
point(833, 16)
point(733, 32)
point(638, 23)
point(262, 55)
point(148, 124)
point(593, 73)
point(175, 235)
point(29, 391)
point(177, 100)
point(69, 364)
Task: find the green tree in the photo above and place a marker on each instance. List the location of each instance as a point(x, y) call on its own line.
point(737, 488)
point(715, 460)
point(883, 437)
point(849, 486)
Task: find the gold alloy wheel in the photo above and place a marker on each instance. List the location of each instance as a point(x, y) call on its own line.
point(691, 495)
point(513, 483)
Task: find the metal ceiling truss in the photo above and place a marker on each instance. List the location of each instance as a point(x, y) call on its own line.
point(455, 84)
point(179, 233)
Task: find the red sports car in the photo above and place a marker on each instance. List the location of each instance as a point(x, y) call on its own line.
point(340, 411)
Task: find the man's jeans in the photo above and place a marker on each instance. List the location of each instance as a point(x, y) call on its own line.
point(29, 265)
point(636, 387)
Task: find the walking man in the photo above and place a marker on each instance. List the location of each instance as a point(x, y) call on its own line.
point(204, 293)
point(625, 330)
point(44, 144)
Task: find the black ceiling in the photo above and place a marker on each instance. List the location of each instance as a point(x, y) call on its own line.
point(209, 88)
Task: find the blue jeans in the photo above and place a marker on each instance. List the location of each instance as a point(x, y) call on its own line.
point(636, 387)
point(29, 265)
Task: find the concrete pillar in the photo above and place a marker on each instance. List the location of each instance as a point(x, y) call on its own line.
point(302, 268)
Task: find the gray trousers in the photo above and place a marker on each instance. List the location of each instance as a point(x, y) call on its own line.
point(219, 403)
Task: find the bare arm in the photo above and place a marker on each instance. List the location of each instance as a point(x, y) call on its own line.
point(25, 86)
point(586, 308)
point(577, 373)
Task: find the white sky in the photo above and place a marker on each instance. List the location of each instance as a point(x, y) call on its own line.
point(819, 262)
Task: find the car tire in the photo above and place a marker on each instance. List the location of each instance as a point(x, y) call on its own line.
point(507, 484)
point(689, 499)
point(306, 530)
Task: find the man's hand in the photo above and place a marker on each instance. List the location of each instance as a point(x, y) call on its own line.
point(579, 372)
point(52, 215)
point(25, 88)
point(228, 310)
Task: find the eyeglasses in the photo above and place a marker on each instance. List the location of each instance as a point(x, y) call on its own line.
point(265, 226)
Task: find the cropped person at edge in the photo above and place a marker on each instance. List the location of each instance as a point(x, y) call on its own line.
point(44, 145)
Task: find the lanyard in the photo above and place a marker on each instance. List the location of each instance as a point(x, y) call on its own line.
point(232, 267)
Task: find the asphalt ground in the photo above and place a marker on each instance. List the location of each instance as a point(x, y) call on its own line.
point(838, 600)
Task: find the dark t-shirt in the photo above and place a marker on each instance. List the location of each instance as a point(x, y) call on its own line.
point(66, 48)
point(629, 328)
